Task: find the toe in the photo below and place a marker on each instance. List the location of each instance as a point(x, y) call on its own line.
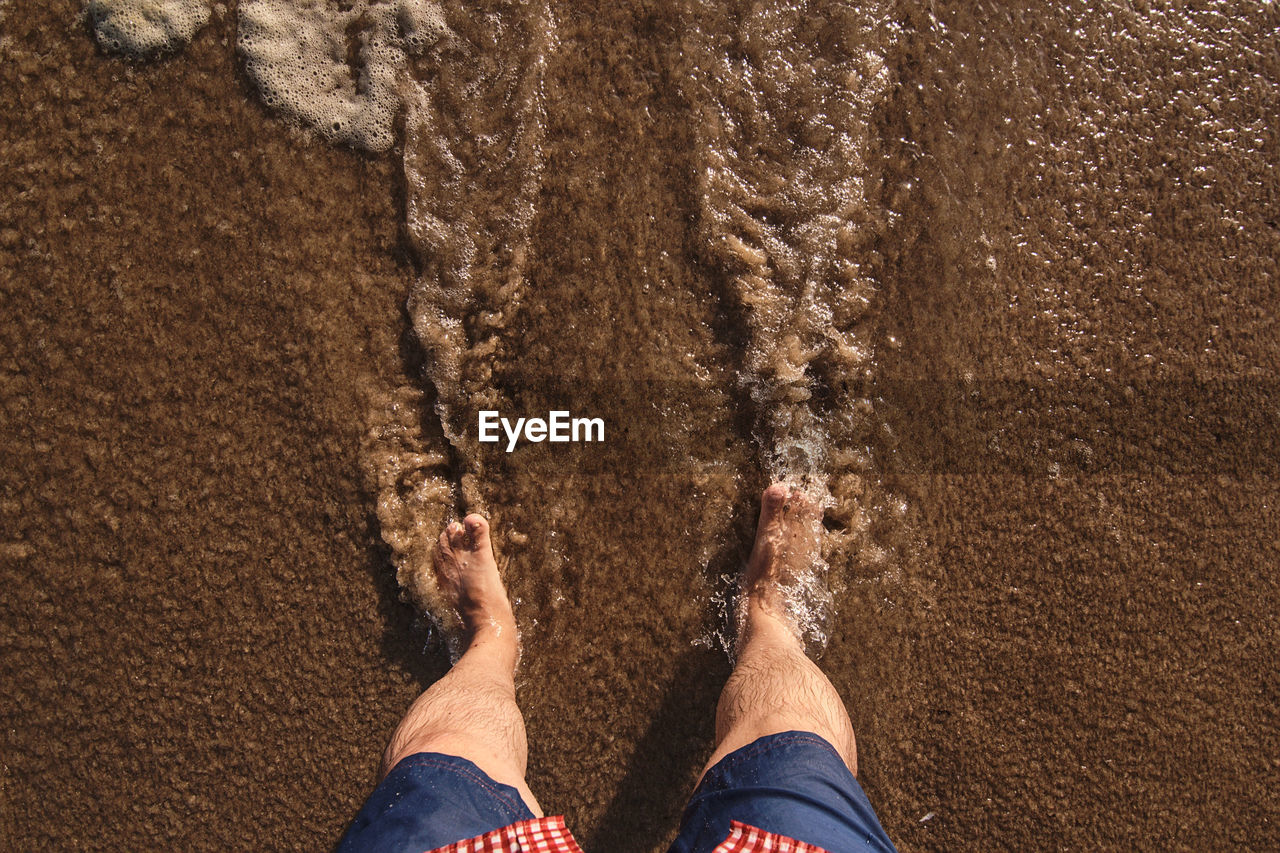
point(477, 528)
point(457, 536)
point(773, 501)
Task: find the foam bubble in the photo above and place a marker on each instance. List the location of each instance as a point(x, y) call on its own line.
point(145, 27)
point(337, 70)
point(471, 186)
point(787, 215)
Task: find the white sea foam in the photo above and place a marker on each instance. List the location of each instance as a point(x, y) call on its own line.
point(473, 167)
point(785, 97)
point(145, 27)
point(337, 68)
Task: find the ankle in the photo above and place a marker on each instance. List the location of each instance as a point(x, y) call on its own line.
point(767, 621)
point(497, 637)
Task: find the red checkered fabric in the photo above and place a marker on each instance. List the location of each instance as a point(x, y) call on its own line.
point(748, 839)
point(549, 835)
point(539, 835)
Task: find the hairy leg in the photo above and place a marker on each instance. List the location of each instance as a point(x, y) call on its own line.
point(774, 686)
point(472, 711)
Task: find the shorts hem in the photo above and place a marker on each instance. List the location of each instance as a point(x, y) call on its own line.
point(470, 771)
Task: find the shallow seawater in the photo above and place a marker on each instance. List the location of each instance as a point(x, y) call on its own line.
point(760, 315)
point(997, 285)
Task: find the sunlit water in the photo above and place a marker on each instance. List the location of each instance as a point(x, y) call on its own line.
point(870, 249)
point(780, 105)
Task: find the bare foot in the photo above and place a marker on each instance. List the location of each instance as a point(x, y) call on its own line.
point(787, 547)
point(468, 578)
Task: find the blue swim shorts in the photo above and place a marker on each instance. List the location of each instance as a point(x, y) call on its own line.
point(431, 800)
point(792, 784)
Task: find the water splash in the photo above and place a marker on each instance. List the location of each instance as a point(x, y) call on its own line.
point(473, 167)
point(784, 99)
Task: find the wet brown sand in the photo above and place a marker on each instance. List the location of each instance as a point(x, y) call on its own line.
point(1085, 281)
point(202, 646)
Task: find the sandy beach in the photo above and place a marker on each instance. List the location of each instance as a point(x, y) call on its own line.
point(1056, 621)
